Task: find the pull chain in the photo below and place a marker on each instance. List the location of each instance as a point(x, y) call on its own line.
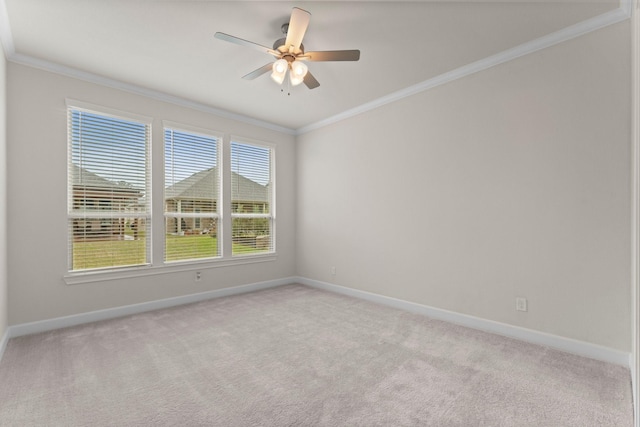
point(288, 88)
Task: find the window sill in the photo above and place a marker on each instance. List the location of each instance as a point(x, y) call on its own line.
point(78, 278)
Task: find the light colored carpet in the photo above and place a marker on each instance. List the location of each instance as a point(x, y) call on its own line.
point(297, 356)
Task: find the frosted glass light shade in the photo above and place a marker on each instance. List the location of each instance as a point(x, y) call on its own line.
point(279, 70)
point(298, 71)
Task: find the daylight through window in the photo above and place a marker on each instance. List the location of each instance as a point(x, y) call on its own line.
point(191, 195)
point(109, 205)
point(200, 177)
point(251, 198)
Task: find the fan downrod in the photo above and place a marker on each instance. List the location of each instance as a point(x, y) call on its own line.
point(279, 44)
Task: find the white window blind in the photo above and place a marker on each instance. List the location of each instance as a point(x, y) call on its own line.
point(109, 209)
point(252, 199)
point(191, 196)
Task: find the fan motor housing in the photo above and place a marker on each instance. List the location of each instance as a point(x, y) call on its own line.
point(279, 45)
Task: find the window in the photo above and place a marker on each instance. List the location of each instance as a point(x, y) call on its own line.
point(109, 206)
point(251, 198)
point(109, 210)
point(191, 195)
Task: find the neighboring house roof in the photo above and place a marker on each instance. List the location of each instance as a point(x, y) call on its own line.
point(84, 178)
point(200, 186)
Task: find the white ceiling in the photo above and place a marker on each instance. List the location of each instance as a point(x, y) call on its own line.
point(168, 46)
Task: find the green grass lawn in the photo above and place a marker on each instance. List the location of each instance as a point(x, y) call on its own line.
point(190, 247)
point(107, 253)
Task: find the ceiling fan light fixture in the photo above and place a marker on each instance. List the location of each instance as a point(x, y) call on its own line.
point(279, 70)
point(289, 51)
point(298, 71)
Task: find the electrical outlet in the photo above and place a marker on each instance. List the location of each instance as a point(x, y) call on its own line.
point(333, 271)
point(521, 304)
point(198, 276)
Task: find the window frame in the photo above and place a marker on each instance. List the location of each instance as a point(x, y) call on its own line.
point(272, 180)
point(100, 213)
point(219, 137)
point(156, 246)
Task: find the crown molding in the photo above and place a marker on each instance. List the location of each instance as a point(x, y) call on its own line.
point(621, 13)
point(30, 61)
point(6, 38)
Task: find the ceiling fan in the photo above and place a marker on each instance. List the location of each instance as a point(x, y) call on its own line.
point(289, 53)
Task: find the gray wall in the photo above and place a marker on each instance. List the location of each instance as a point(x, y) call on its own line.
point(37, 192)
point(514, 181)
point(4, 303)
point(511, 182)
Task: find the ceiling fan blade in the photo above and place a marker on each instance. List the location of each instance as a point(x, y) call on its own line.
point(243, 42)
point(260, 71)
point(297, 27)
point(310, 81)
point(332, 55)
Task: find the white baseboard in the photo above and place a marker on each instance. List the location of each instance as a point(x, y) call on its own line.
point(110, 313)
point(3, 343)
point(568, 345)
point(634, 392)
